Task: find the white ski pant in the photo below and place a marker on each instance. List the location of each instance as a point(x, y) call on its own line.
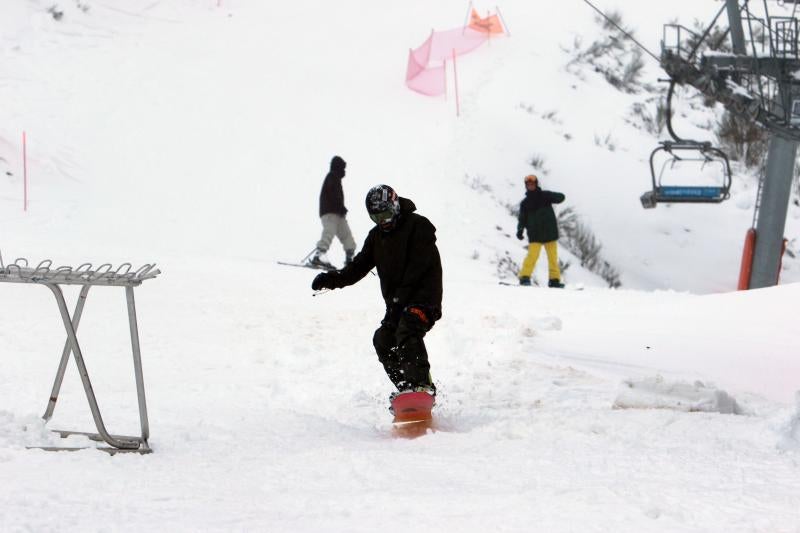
point(334, 225)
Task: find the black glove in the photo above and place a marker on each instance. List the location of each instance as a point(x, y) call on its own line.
point(322, 281)
point(519, 234)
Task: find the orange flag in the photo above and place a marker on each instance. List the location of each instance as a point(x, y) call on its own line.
point(490, 24)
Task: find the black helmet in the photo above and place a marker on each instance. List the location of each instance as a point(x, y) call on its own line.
point(383, 206)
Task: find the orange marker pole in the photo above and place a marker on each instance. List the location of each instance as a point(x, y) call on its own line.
point(455, 83)
point(24, 172)
point(747, 260)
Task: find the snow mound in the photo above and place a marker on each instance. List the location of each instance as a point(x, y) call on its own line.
point(791, 433)
point(657, 393)
point(545, 323)
point(19, 432)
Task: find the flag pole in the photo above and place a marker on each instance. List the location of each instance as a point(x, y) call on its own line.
point(444, 67)
point(24, 171)
point(466, 18)
point(505, 26)
point(455, 82)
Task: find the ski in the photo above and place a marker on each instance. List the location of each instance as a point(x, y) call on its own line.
point(308, 265)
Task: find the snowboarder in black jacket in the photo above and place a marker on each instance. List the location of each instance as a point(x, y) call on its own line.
point(402, 246)
point(333, 213)
point(536, 215)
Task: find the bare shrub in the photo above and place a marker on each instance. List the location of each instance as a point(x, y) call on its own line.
point(506, 266)
point(537, 162)
point(652, 122)
point(579, 239)
point(477, 183)
point(742, 140)
point(619, 60)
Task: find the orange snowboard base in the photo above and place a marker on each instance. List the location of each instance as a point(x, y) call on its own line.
point(412, 414)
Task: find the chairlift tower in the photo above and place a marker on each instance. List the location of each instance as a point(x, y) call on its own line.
point(759, 81)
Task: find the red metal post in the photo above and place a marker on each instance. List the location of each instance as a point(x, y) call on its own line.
point(747, 260)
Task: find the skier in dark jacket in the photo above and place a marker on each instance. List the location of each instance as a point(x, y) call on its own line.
point(537, 217)
point(333, 213)
point(402, 246)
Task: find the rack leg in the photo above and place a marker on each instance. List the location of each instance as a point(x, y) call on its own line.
point(62, 366)
point(87, 384)
point(137, 364)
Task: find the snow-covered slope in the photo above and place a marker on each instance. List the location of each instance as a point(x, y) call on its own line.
point(197, 135)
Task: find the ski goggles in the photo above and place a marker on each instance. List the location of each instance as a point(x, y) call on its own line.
point(383, 217)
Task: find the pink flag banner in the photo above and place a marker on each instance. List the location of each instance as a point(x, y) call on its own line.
point(420, 78)
point(462, 40)
point(430, 80)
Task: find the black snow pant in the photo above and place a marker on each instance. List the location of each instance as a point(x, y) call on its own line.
point(400, 348)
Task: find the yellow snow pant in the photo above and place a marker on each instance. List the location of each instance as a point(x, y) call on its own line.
point(533, 254)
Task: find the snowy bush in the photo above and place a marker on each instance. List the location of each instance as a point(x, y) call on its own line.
point(5, 168)
point(506, 266)
point(742, 140)
point(607, 142)
point(652, 121)
point(537, 162)
point(716, 40)
point(477, 183)
point(579, 239)
point(616, 57)
point(57, 12)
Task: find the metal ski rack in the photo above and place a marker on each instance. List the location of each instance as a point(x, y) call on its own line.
point(87, 276)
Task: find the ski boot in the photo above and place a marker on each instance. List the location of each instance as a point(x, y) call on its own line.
point(525, 280)
point(320, 260)
point(555, 284)
point(348, 256)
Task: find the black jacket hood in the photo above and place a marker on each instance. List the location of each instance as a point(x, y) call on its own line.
point(406, 205)
point(338, 166)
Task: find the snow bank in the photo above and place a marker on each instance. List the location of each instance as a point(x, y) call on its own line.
point(791, 431)
point(28, 430)
point(658, 393)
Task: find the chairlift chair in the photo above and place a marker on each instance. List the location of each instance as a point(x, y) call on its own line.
point(794, 120)
point(693, 152)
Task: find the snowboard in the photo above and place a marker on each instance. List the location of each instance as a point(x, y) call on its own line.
point(412, 414)
point(566, 288)
point(308, 265)
point(508, 283)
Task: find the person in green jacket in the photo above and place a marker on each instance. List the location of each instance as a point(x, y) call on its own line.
point(536, 215)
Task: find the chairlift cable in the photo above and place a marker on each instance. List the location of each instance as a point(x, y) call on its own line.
point(627, 34)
